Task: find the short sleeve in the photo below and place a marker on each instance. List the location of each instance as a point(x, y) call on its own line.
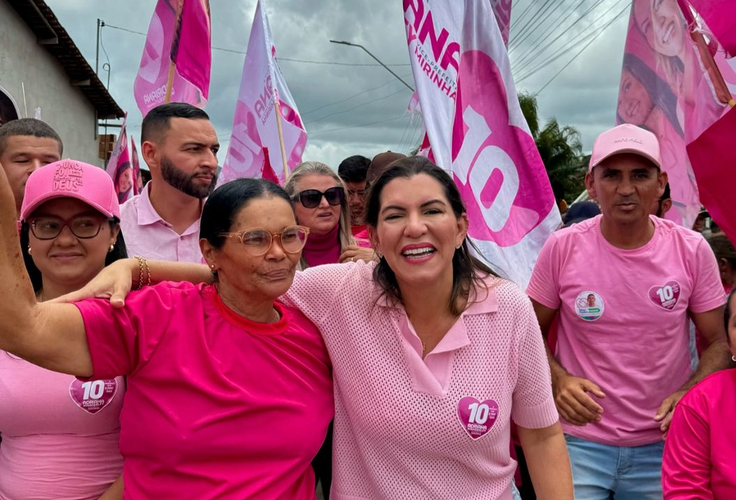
point(686, 461)
point(314, 290)
point(708, 289)
point(533, 403)
point(544, 285)
point(121, 340)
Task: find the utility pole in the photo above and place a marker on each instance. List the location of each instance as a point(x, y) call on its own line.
point(97, 52)
point(377, 60)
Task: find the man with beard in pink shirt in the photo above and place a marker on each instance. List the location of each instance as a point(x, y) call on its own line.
point(179, 145)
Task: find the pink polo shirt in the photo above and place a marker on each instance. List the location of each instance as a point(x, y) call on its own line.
point(148, 235)
point(408, 428)
point(623, 319)
point(700, 451)
point(218, 407)
point(59, 434)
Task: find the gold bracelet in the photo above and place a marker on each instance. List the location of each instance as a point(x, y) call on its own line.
point(140, 260)
point(148, 272)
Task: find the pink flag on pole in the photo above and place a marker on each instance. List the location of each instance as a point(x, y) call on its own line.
point(119, 167)
point(179, 33)
point(502, 10)
point(254, 126)
point(720, 16)
point(477, 131)
point(138, 184)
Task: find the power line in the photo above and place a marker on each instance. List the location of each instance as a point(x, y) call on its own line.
point(536, 21)
point(563, 15)
point(352, 96)
point(518, 20)
point(304, 61)
point(580, 52)
point(359, 125)
point(525, 63)
point(356, 107)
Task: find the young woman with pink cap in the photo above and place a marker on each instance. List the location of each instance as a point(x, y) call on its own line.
point(59, 434)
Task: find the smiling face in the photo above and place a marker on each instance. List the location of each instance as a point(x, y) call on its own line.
point(662, 24)
point(634, 103)
point(248, 277)
point(324, 217)
point(417, 232)
point(66, 260)
point(626, 186)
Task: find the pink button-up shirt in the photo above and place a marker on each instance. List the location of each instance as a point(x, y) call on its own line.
point(148, 235)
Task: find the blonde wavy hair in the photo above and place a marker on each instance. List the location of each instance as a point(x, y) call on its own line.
point(316, 168)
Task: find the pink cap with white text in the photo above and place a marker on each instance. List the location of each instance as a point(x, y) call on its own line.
point(625, 138)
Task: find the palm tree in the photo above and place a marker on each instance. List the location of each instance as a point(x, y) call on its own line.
point(560, 149)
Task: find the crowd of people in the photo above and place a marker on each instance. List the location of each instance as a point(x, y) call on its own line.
point(256, 341)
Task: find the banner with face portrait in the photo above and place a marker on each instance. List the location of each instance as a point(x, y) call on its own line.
point(120, 168)
point(477, 131)
point(255, 148)
point(178, 36)
point(665, 89)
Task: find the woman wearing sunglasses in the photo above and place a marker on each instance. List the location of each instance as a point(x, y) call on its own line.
point(433, 356)
point(60, 435)
point(320, 204)
point(229, 391)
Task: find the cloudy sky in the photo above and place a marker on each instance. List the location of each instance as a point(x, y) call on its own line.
point(349, 104)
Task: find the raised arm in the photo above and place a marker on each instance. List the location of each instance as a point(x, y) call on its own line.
point(49, 335)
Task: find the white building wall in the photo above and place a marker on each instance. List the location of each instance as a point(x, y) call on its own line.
point(23, 62)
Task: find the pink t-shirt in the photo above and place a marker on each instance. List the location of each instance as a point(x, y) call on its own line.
point(623, 319)
point(59, 435)
point(148, 235)
point(700, 450)
point(218, 407)
point(407, 428)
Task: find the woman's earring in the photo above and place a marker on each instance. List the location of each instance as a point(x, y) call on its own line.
point(29, 251)
point(112, 247)
point(733, 358)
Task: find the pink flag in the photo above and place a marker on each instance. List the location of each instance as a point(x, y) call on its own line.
point(720, 16)
point(254, 126)
point(713, 157)
point(119, 167)
point(502, 10)
point(179, 34)
point(138, 184)
point(477, 131)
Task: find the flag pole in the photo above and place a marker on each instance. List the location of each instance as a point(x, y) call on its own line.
point(169, 82)
point(277, 108)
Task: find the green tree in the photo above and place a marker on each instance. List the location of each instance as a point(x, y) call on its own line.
point(560, 149)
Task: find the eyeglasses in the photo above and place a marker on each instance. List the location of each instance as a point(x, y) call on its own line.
point(310, 198)
point(83, 226)
point(258, 241)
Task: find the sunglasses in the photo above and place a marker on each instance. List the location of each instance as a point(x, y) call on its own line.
point(311, 198)
point(83, 227)
point(258, 241)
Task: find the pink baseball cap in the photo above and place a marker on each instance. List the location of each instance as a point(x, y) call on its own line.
point(625, 138)
point(72, 179)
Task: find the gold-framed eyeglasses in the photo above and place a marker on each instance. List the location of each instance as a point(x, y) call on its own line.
point(257, 241)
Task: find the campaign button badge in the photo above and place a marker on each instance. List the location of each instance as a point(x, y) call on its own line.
point(589, 306)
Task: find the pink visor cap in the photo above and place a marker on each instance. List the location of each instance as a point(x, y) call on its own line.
point(71, 179)
point(625, 139)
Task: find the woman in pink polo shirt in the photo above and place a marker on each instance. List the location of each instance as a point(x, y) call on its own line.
point(229, 392)
point(433, 356)
point(700, 453)
point(60, 435)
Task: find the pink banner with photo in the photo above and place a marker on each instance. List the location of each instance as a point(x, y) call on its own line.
point(119, 167)
point(254, 144)
point(138, 184)
point(477, 131)
point(186, 22)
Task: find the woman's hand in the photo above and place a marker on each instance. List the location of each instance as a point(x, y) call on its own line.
point(354, 253)
point(114, 282)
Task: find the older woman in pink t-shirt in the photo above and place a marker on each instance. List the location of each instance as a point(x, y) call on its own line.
point(700, 452)
point(229, 391)
point(433, 356)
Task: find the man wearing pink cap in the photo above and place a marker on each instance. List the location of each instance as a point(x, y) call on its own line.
point(179, 145)
point(622, 286)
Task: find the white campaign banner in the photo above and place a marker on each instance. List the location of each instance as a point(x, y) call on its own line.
point(477, 131)
point(255, 138)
